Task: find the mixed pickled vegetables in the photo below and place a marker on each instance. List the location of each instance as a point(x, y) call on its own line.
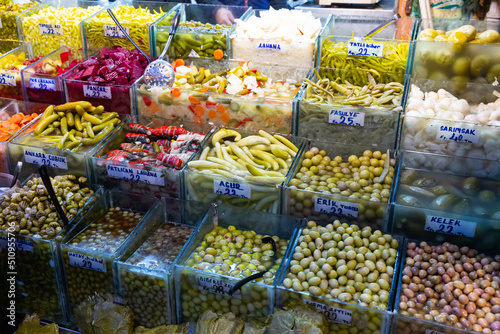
point(459, 36)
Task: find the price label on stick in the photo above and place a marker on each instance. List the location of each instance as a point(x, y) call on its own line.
point(354, 118)
point(97, 92)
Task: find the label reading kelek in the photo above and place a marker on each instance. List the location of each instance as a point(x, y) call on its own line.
point(50, 29)
point(19, 244)
point(138, 175)
point(48, 160)
point(365, 49)
point(217, 286)
point(270, 46)
point(464, 135)
point(346, 118)
point(431, 331)
point(44, 84)
point(232, 189)
point(87, 262)
point(329, 206)
point(7, 79)
point(97, 92)
point(114, 31)
point(450, 226)
point(334, 314)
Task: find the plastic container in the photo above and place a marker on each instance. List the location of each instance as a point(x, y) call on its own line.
point(10, 80)
point(198, 290)
point(8, 15)
point(88, 268)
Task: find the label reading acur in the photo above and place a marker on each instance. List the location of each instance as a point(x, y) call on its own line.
point(50, 29)
point(365, 49)
point(97, 92)
point(232, 189)
point(329, 206)
point(7, 79)
point(450, 226)
point(431, 331)
point(114, 31)
point(48, 160)
point(18, 244)
point(334, 314)
point(139, 175)
point(346, 117)
point(43, 84)
point(87, 262)
point(217, 286)
point(270, 46)
point(459, 134)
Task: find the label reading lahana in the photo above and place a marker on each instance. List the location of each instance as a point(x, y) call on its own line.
point(114, 31)
point(50, 29)
point(18, 244)
point(232, 189)
point(450, 226)
point(454, 133)
point(7, 79)
point(138, 175)
point(365, 49)
point(334, 314)
point(270, 46)
point(217, 286)
point(48, 160)
point(346, 117)
point(329, 206)
point(42, 83)
point(431, 331)
point(87, 262)
point(97, 92)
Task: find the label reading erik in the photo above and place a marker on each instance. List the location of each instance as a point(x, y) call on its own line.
point(365, 49)
point(48, 160)
point(18, 244)
point(334, 314)
point(42, 83)
point(50, 29)
point(329, 206)
point(97, 92)
point(114, 31)
point(346, 118)
point(431, 331)
point(232, 189)
point(450, 226)
point(139, 175)
point(219, 287)
point(87, 262)
point(7, 79)
point(454, 133)
point(270, 46)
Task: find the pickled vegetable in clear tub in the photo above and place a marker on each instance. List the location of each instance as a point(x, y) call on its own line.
point(8, 14)
point(10, 77)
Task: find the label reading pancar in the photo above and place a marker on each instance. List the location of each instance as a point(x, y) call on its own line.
point(7, 79)
point(219, 287)
point(232, 189)
point(454, 133)
point(42, 83)
point(450, 226)
point(431, 331)
point(97, 92)
point(139, 175)
point(50, 29)
point(114, 31)
point(365, 49)
point(48, 160)
point(270, 46)
point(347, 117)
point(18, 244)
point(87, 262)
point(334, 314)
point(329, 206)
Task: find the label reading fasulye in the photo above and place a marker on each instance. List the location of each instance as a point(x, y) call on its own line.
point(50, 29)
point(431, 331)
point(454, 133)
point(7, 79)
point(334, 314)
point(232, 189)
point(48, 160)
point(365, 49)
point(42, 83)
point(450, 226)
point(329, 206)
point(219, 287)
point(270, 46)
point(139, 175)
point(346, 117)
point(97, 92)
point(18, 244)
point(114, 31)
point(87, 262)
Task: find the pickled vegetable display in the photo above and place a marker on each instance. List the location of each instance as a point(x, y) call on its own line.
point(460, 36)
point(8, 12)
point(10, 66)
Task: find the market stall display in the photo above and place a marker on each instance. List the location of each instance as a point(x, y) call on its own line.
point(8, 12)
point(11, 64)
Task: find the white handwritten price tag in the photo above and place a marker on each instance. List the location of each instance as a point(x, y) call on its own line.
point(346, 117)
point(42, 83)
point(270, 46)
point(365, 49)
point(50, 29)
point(97, 92)
point(114, 31)
point(431, 331)
point(334, 314)
point(48, 160)
point(465, 135)
point(7, 79)
point(329, 206)
point(232, 189)
point(219, 287)
point(139, 175)
point(450, 226)
point(18, 244)
point(87, 262)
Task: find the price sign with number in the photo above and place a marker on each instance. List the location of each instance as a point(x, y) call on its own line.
point(234, 189)
point(48, 160)
point(450, 226)
point(7, 79)
point(346, 117)
point(43, 84)
point(50, 29)
point(114, 31)
point(366, 49)
point(133, 174)
point(334, 314)
point(97, 92)
point(458, 134)
point(87, 262)
point(19, 244)
point(219, 287)
point(332, 207)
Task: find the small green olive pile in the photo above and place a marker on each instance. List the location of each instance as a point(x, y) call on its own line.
point(342, 262)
